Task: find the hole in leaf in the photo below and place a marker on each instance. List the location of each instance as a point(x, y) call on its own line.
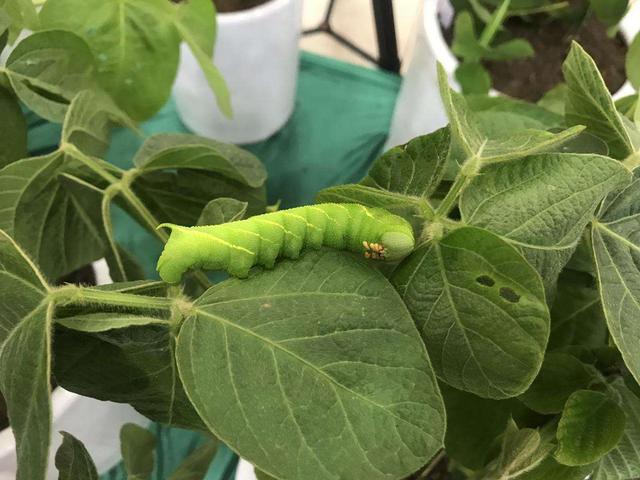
point(486, 280)
point(509, 295)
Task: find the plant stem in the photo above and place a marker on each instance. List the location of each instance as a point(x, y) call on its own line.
point(469, 170)
point(492, 27)
point(86, 160)
point(72, 294)
point(432, 465)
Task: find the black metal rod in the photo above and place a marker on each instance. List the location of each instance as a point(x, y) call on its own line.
point(386, 32)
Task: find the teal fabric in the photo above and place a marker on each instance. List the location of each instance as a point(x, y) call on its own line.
point(339, 125)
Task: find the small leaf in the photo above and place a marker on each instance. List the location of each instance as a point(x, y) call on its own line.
point(196, 465)
point(468, 142)
point(173, 150)
point(89, 120)
point(196, 23)
point(14, 128)
point(633, 62)
point(576, 315)
point(73, 461)
point(591, 425)
point(550, 469)
point(554, 99)
point(465, 40)
point(25, 357)
point(413, 169)
point(47, 69)
point(561, 374)
point(610, 12)
point(101, 322)
point(137, 446)
point(451, 287)
point(135, 44)
point(360, 368)
point(22, 14)
point(522, 451)
point(510, 50)
point(589, 102)
point(262, 476)
point(614, 237)
point(222, 210)
point(473, 425)
point(623, 462)
point(473, 78)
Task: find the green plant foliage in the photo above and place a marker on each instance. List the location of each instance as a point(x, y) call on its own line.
point(14, 144)
point(451, 286)
point(196, 465)
point(222, 210)
point(561, 374)
point(73, 461)
point(25, 358)
point(320, 378)
point(137, 447)
point(590, 426)
point(136, 45)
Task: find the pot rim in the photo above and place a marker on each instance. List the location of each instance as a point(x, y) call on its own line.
point(253, 14)
point(432, 29)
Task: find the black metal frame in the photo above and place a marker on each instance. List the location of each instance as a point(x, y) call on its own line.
point(385, 31)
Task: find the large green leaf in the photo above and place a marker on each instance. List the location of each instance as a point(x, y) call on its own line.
point(135, 43)
point(591, 425)
point(73, 461)
point(50, 216)
point(137, 446)
point(473, 426)
point(452, 287)
point(532, 204)
point(47, 69)
point(319, 357)
point(181, 150)
point(561, 374)
point(623, 462)
point(616, 246)
point(414, 169)
point(14, 129)
point(467, 141)
point(589, 102)
point(576, 315)
point(25, 357)
point(129, 365)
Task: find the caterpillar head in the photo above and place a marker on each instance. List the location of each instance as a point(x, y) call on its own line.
point(397, 245)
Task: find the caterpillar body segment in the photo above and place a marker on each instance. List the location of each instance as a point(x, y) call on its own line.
point(261, 240)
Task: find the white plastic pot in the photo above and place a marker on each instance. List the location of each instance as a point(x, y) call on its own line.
point(245, 471)
point(96, 423)
point(419, 109)
point(257, 53)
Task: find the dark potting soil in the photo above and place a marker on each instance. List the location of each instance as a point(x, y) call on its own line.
point(83, 276)
point(530, 78)
point(236, 5)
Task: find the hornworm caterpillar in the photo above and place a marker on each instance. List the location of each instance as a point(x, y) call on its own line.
point(260, 240)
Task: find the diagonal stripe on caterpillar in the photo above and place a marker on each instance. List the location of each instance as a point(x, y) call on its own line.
point(261, 240)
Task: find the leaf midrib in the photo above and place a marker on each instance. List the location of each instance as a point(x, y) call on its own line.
point(330, 380)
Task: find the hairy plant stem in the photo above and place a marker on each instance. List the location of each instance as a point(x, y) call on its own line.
point(469, 170)
point(74, 295)
point(122, 186)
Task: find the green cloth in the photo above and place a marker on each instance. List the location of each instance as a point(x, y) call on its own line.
point(338, 128)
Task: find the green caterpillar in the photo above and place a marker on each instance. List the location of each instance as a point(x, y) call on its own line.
point(260, 240)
